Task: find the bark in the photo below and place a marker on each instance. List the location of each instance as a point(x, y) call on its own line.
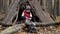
point(15, 28)
point(11, 29)
point(11, 12)
point(47, 24)
point(43, 16)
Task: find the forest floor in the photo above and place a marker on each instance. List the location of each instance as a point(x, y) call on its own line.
point(45, 30)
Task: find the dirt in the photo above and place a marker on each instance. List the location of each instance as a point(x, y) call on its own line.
point(58, 19)
point(44, 30)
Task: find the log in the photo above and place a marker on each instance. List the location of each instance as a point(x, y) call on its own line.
point(17, 27)
point(47, 24)
point(5, 24)
point(11, 29)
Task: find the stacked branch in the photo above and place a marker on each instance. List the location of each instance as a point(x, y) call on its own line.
point(12, 29)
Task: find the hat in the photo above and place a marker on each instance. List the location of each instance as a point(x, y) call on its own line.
point(28, 7)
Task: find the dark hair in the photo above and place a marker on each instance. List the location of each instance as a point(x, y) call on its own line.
point(27, 1)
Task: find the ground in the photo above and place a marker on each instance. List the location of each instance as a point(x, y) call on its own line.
point(45, 30)
point(58, 19)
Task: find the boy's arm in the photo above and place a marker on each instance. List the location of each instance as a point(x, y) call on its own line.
point(30, 16)
point(23, 15)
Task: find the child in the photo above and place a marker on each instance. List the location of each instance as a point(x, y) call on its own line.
point(27, 13)
point(27, 16)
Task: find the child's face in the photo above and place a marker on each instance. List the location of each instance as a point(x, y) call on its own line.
point(27, 10)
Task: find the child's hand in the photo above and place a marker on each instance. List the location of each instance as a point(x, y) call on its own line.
point(30, 18)
point(26, 17)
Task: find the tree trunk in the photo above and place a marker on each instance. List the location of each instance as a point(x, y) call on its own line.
point(43, 16)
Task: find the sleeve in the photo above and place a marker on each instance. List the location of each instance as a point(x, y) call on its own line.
point(23, 15)
point(30, 15)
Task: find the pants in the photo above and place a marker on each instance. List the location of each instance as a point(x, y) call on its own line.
point(28, 25)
